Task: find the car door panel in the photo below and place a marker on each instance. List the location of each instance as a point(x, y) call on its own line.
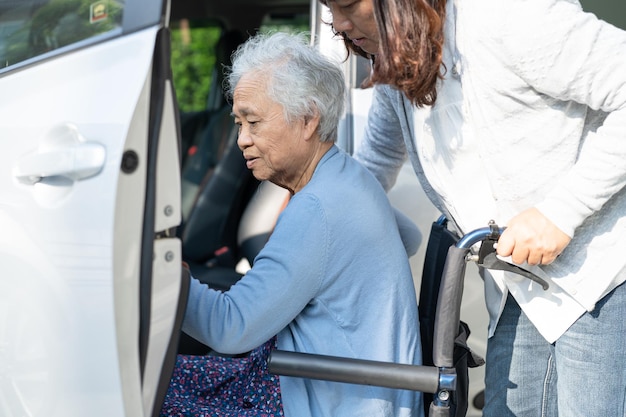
point(73, 218)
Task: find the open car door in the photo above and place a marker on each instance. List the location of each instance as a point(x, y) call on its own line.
point(91, 290)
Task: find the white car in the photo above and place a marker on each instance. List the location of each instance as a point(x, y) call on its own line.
point(108, 183)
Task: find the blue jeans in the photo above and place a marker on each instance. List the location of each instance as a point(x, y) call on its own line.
point(582, 374)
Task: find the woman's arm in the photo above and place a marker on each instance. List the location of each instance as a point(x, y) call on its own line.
point(382, 150)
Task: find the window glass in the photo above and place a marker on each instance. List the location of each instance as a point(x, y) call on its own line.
point(193, 49)
point(196, 55)
point(291, 22)
point(31, 28)
point(613, 11)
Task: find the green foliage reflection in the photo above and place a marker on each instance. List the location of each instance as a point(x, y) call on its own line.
point(56, 24)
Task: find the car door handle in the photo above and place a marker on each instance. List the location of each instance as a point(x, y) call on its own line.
point(76, 161)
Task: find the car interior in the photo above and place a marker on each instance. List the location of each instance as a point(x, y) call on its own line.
point(227, 215)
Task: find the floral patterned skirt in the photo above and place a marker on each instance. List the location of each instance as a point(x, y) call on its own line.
point(217, 386)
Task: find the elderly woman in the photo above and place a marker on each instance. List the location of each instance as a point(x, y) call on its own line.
point(334, 278)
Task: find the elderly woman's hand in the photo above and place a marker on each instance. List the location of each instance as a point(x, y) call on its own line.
point(530, 237)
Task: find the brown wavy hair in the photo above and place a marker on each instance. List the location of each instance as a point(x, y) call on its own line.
point(411, 47)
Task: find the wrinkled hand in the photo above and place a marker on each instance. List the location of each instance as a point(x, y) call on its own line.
point(531, 237)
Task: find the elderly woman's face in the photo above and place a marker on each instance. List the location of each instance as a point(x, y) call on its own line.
point(355, 18)
point(274, 149)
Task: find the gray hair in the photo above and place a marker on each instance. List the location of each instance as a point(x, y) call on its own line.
point(302, 80)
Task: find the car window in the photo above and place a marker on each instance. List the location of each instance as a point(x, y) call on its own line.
point(193, 58)
point(196, 54)
point(289, 22)
point(34, 28)
point(613, 11)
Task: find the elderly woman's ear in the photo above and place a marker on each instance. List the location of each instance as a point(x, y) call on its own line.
point(311, 123)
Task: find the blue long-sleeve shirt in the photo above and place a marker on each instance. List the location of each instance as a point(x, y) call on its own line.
point(333, 279)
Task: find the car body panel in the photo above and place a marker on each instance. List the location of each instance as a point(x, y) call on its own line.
point(84, 238)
